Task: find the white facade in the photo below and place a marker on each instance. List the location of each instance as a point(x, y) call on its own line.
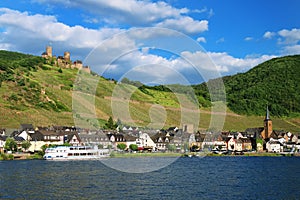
point(232, 144)
point(274, 146)
point(37, 145)
point(144, 140)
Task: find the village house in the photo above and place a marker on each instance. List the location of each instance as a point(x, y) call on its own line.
point(17, 139)
point(208, 142)
point(145, 142)
point(2, 143)
point(180, 140)
point(96, 138)
point(118, 138)
point(51, 136)
point(274, 146)
point(162, 140)
point(220, 143)
point(196, 141)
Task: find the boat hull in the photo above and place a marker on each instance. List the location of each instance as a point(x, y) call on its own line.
point(75, 153)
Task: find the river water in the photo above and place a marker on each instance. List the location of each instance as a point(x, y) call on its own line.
point(186, 178)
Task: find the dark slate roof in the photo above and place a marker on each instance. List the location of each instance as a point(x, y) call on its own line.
point(274, 135)
point(122, 137)
point(161, 135)
point(15, 133)
point(199, 137)
point(94, 137)
point(27, 127)
point(3, 137)
point(245, 140)
point(70, 135)
point(18, 139)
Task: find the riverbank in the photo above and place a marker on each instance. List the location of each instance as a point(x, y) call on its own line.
point(133, 155)
point(20, 156)
point(156, 154)
point(201, 154)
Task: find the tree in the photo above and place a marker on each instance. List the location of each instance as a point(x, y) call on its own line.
point(119, 122)
point(122, 146)
point(133, 147)
point(110, 123)
point(10, 144)
point(195, 148)
point(171, 147)
point(26, 145)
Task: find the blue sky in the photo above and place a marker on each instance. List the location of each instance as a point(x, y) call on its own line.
point(114, 38)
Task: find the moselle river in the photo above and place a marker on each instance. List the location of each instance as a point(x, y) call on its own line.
point(186, 178)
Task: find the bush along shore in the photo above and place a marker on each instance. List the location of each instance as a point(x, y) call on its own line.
point(20, 156)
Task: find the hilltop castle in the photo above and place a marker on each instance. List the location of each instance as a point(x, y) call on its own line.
point(64, 61)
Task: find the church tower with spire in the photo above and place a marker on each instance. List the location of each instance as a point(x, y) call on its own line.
point(268, 127)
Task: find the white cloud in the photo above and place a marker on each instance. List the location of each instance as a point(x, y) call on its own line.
point(186, 24)
point(211, 13)
point(21, 28)
point(269, 35)
point(201, 39)
point(248, 38)
point(231, 64)
point(288, 39)
point(139, 13)
point(129, 11)
point(223, 62)
point(292, 49)
point(221, 40)
point(290, 36)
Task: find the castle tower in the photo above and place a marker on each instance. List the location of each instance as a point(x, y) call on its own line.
point(49, 51)
point(67, 56)
point(268, 127)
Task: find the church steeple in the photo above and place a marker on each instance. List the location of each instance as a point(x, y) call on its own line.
point(268, 127)
point(267, 114)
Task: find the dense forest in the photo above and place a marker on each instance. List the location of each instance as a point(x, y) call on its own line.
point(14, 65)
point(274, 83)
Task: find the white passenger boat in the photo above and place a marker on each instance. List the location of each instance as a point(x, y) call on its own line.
point(75, 153)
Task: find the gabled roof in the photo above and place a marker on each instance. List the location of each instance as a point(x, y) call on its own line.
point(71, 135)
point(199, 137)
point(163, 135)
point(15, 133)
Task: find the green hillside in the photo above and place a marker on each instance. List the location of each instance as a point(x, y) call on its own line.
point(32, 91)
point(275, 83)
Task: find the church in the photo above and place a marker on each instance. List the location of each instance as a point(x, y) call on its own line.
point(268, 127)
